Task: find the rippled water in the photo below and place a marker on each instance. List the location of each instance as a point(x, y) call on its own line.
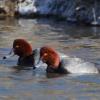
point(71, 39)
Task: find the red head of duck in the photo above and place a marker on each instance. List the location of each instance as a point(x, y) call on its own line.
point(22, 48)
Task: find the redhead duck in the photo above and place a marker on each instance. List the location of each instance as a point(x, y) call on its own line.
point(62, 64)
point(22, 49)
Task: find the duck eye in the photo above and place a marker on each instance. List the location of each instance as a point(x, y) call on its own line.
point(17, 46)
point(45, 54)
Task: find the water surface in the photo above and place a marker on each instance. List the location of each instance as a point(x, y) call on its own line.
point(74, 40)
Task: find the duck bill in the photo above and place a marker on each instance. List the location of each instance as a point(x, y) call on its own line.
point(39, 63)
point(10, 54)
point(37, 59)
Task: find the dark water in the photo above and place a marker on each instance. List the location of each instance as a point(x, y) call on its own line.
point(81, 41)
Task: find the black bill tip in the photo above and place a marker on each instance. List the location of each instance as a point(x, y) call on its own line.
point(4, 57)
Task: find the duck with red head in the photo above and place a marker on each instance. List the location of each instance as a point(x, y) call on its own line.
point(23, 49)
point(64, 64)
point(51, 58)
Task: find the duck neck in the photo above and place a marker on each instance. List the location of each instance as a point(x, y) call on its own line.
point(60, 69)
point(26, 60)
